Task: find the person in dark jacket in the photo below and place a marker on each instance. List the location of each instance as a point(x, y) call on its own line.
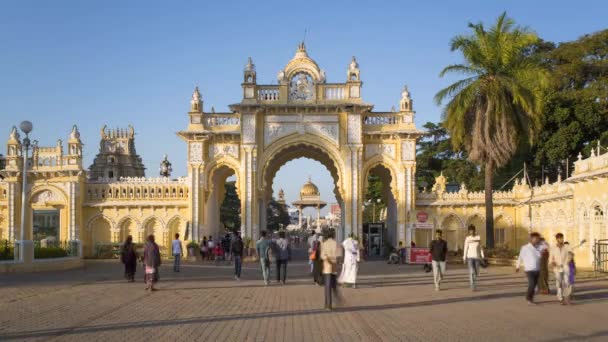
point(283, 257)
point(237, 254)
point(128, 256)
point(151, 263)
point(439, 252)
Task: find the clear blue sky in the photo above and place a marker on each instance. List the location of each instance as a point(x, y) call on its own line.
point(136, 62)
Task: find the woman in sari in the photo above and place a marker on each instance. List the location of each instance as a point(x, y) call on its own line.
point(128, 256)
point(151, 262)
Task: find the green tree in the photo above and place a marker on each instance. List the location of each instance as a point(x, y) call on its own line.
point(500, 100)
point(276, 216)
point(576, 110)
point(372, 195)
point(436, 155)
point(230, 211)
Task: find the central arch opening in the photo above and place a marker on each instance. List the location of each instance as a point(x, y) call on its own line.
point(309, 178)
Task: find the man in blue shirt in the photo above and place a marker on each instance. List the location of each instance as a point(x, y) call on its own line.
point(529, 256)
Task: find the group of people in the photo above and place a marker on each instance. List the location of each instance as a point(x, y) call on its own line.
point(324, 252)
point(273, 251)
point(538, 257)
point(217, 250)
point(151, 260)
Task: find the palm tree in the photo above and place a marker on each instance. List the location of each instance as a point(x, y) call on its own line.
point(499, 103)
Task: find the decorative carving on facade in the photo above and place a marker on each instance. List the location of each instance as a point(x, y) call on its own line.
point(380, 149)
point(278, 126)
point(301, 87)
point(45, 196)
point(196, 153)
point(248, 122)
point(354, 129)
point(329, 131)
point(408, 150)
point(218, 150)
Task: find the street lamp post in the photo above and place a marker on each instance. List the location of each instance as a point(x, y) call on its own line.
point(373, 203)
point(26, 127)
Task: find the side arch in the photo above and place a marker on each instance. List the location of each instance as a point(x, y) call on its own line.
point(454, 231)
point(388, 164)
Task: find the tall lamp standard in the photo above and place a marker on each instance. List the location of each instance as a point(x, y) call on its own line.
point(373, 203)
point(26, 127)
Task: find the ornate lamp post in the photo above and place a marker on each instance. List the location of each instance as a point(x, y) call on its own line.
point(26, 127)
point(165, 167)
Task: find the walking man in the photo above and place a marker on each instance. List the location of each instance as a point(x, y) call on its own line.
point(283, 257)
point(558, 260)
point(262, 247)
point(330, 267)
point(530, 257)
point(237, 255)
point(176, 250)
point(350, 267)
point(472, 255)
point(439, 252)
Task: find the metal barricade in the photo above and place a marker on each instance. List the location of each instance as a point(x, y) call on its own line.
point(600, 256)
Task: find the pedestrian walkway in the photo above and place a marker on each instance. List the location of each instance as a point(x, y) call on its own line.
point(204, 303)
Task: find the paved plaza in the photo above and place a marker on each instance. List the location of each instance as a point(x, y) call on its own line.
point(204, 303)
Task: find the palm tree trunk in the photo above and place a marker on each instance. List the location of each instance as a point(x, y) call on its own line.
point(489, 178)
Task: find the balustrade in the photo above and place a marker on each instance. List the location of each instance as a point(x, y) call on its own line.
point(136, 189)
point(387, 119)
point(334, 92)
point(266, 93)
point(217, 120)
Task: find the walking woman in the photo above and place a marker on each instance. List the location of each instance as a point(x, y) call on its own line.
point(151, 262)
point(128, 256)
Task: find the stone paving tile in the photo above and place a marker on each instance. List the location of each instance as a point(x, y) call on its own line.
point(204, 303)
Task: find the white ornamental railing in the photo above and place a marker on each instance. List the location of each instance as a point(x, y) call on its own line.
point(268, 93)
point(215, 120)
point(334, 92)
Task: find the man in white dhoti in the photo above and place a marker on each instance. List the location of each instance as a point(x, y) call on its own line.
point(351, 260)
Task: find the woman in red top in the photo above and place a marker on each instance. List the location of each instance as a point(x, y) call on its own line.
point(219, 253)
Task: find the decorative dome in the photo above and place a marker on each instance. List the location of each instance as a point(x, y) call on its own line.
point(301, 63)
point(309, 189)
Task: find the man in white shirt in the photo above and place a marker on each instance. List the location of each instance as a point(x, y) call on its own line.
point(529, 256)
point(176, 250)
point(558, 260)
point(472, 255)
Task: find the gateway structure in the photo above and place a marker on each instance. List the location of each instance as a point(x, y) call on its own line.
point(304, 115)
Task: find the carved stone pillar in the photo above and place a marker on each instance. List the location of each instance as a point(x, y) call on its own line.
point(353, 221)
point(12, 231)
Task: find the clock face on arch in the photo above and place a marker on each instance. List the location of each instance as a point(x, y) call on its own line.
point(301, 87)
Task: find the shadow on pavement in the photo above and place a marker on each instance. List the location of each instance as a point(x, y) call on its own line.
point(278, 314)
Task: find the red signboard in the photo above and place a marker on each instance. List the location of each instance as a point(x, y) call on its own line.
point(419, 256)
point(421, 216)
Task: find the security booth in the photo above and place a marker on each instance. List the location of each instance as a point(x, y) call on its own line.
point(373, 238)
